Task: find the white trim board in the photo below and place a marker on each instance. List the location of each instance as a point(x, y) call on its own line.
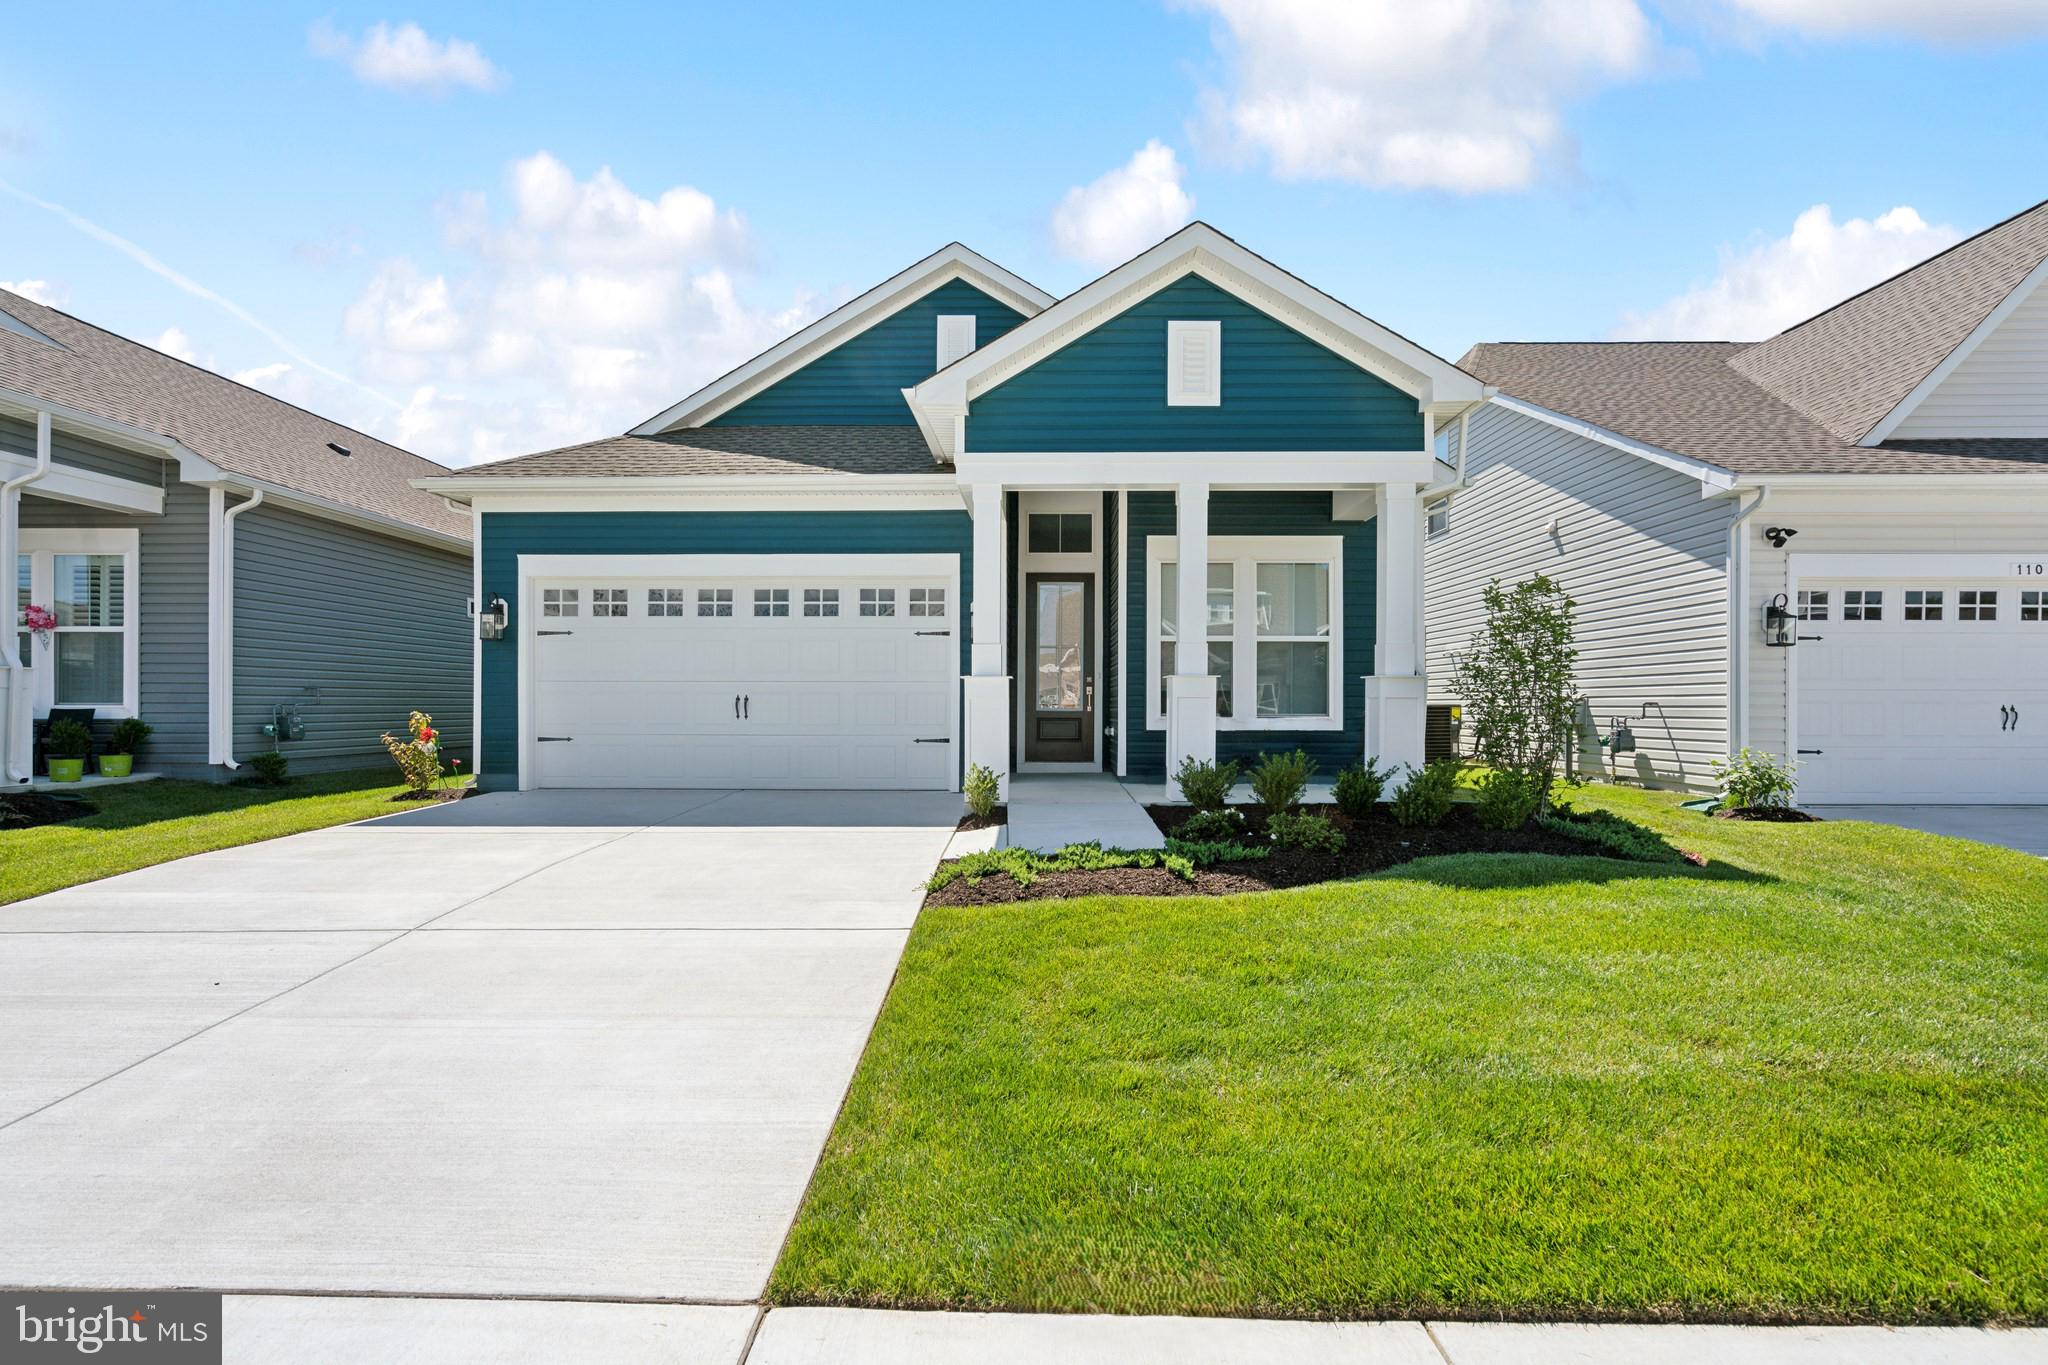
point(1931, 381)
point(89, 487)
point(2020, 563)
point(1220, 469)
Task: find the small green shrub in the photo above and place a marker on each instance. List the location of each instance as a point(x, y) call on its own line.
point(1025, 866)
point(1301, 830)
point(268, 768)
point(1425, 798)
point(1611, 834)
point(128, 735)
point(1206, 786)
point(1210, 826)
point(1209, 852)
point(1507, 799)
point(68, 739)
point(1358, 788)
point(1279, 780)
point(981, 789)
point(1755, 779)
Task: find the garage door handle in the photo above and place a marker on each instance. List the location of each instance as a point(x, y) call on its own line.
point(935, 632)
point(735, 706)
point(931, 741)
point(554, 632)
point(747, 707)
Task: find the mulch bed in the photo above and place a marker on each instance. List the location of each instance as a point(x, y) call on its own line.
point(1783, 815)
point(435, 794)
point(24, 810)
point(1369, 846)
point(970, 821)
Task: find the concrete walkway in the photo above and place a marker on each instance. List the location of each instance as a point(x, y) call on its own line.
point(1048, 812)
point(566, 1044)
point(2024, 828)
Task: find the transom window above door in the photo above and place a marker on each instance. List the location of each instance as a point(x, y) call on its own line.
point(1273, 626)
point(1059, 533)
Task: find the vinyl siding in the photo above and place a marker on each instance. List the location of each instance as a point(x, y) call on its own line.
point(2000, 389)
point(19, 438)
point(355, 629)
point(1106, 390)
point(1252, 514)
point(507, 535)
point(861, 381)
point(172, 601)
point(1644, 556)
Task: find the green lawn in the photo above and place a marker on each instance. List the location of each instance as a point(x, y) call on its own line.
point(1809, 1082)
point(153, 822)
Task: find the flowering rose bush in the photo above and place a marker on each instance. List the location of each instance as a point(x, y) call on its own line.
point(417, 755)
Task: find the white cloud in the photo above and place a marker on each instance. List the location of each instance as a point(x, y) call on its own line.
point(570, 309)
point(264, 377)
point(1953, 21)
point(1463, 96)
point(1114, 217)
point(405, 58)
point(45, 292)
point(177, 345)
point(1768, 287)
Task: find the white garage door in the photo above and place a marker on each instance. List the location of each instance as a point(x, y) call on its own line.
point(842, 682)
point(1923, 690)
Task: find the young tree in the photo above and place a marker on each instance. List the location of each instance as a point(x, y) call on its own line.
point(1516, 681)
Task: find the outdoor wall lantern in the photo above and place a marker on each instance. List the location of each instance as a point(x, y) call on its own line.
point(1779, 624)
point(491, 621)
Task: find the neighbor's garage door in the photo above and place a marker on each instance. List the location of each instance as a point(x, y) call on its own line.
point(1929, 690)
point(743, 682)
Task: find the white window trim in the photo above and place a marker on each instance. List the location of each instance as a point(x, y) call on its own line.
point(1178, 395)
point(1247, 553)
point(42, 547)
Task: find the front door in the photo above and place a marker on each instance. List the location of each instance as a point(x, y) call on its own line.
point(1059, 629)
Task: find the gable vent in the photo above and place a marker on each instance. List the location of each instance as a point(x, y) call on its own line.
point(956, 337)
point(1194, 364)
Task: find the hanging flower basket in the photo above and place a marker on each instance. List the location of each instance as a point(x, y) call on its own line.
point(39, 622)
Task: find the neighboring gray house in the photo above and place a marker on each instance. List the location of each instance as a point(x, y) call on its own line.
point(1878, 472)
point(213, 554)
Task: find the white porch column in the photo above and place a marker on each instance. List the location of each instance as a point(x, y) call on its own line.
point(17, 705)
point(1397, 695)
point(986, 688)
point(1191, 691)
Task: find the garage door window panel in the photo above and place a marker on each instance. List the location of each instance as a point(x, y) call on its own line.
point(668, 602)
point(877, 602)
point(1977, 604)
point(1923, 604)
point(609, 602)
point(560, 601)
point(1813, 606)
point(1863, 604)
point(769, 602)
point(2033, 605)
point(821, 602)
point(714, 601)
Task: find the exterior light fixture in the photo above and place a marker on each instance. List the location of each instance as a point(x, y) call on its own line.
point(491, 621)
point(1780, 624)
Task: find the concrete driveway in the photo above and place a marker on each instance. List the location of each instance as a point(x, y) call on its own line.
point(551, 1045)
point(2024, 828)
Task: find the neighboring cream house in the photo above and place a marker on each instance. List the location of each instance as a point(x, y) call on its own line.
point(1879, 472)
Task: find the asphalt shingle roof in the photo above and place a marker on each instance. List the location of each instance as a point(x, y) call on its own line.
point(728, 450)
point(238, 428)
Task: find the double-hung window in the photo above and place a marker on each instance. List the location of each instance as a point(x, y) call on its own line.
point(89, 581)
point(1273, 625)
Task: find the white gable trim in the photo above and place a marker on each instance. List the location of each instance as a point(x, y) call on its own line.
point(1891, 420)
point(1200, 250)
point(849, 320)
point(1714, 477)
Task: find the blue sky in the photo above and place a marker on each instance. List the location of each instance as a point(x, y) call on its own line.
point(519, 226)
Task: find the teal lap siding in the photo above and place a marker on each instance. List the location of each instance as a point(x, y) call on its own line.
point(508, 535)
point(1252, 514)
point(1106, 390)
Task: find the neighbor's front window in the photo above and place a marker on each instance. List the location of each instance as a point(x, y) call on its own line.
point(87, 584)
point(1272, 631)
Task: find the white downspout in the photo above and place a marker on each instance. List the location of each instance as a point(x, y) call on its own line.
point(10, 542)
point(223, 698)
point(1738, 624)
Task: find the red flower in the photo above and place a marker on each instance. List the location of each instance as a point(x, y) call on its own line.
point(427, 734)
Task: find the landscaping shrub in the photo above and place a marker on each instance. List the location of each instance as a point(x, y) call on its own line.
point(1210, 826)
point(1301, 830)
point(1279, 780)
point(128, 735)
point(1507, 799)
point(1425, 798)
point(1209, 852)
point(67, 739)
point(1516, 682)
point(418, 755)
point(1024, 866)
point(1622, 838)
point(1753, 780)
point(268, 769)
point(1359, 787)
point(1206, 786)
point(981, 789)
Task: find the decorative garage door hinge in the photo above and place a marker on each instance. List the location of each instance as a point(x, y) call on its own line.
point(556, 739)
point(931, 741)
point(554, 632)
point(935, 632)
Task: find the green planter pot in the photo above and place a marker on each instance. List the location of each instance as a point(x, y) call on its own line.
point(66, 769)
point(116, 765)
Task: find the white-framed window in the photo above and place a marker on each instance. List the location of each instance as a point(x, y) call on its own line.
point(878, 601)
point(609, 602)
point(668, 601)
point(1813, 606)
point(1977, 604)
point(1194, 364)
point(1273, 626)
point(927, 602)
point(956, 337)
point(90, 580)
point(2033, 604)
point(821, 601)
point(714, 601)
point(1862, 604)
point(1439, 519)
point(1924, 604)
point(560, 601)
point(771, 601)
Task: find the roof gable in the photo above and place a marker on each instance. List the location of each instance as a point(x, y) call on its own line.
point(842, 324)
